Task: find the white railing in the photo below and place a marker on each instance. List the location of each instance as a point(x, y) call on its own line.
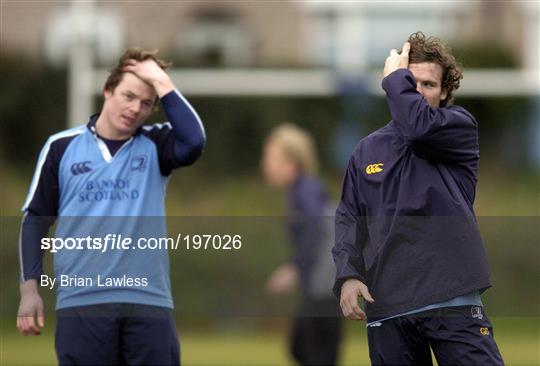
point(323, 82)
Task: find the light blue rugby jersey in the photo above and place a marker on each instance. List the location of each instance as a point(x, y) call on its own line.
point(100, 194)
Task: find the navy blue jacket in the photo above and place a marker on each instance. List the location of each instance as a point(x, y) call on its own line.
point(308, 202)
point(405, 224)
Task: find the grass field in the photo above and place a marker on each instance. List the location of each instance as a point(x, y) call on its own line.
point(518, 339)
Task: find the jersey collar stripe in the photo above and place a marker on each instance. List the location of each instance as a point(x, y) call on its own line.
point(43, 156)
point(103, 149)
point(105, 153)
point(158, 125)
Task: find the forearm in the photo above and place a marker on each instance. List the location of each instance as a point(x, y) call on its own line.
point(414, 116)
point(447, 134)
point(33, 228)
point(411, 114)
point(347, 253)
point(186, 125)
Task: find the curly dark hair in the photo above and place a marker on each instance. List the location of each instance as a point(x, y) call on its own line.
point(432, 49)
point(134, 53)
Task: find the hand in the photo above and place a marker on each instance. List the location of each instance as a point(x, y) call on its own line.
point(283, 279)
point(150, 72)
point(351, 290)
point(30, 308)
point(397, 61)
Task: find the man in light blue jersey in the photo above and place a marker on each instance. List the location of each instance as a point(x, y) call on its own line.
point(101, 182)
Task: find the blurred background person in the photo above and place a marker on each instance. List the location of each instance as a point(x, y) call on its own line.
point(289, 163)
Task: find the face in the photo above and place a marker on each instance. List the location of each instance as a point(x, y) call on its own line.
point(428, 77)
point(128, 105)
point(278, 171)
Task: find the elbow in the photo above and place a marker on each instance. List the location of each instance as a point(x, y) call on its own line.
point(189, 153)
point(196, 148)
point(199, 144)
point(190, 159)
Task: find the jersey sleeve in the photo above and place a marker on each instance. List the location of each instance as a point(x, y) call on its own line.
point(444, 134)
point(41, 206)
point(181, 141)
point(348, 232)
point(33, 229)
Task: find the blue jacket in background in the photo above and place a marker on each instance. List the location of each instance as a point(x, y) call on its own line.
point(311, 235)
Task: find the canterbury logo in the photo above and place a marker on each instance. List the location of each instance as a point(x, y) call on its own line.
point(484, 331)
point(81, 168)
point(374, 168)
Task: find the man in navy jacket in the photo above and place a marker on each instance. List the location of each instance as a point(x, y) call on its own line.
point(407, 241)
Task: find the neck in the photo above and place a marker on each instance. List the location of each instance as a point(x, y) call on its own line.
point(104, 129)
point(293, 179)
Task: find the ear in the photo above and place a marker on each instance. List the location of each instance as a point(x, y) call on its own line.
point(107, 94)
point(444, 94)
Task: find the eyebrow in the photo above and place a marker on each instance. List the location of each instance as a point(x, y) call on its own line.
point(127, 91)
point(433, 81)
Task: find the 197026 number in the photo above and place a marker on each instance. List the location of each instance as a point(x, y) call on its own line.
point(213, 241)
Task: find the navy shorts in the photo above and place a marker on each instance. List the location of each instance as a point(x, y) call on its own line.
point(116, 334)
point(459, 335)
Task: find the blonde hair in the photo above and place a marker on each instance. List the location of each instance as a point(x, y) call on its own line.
point(297, 145)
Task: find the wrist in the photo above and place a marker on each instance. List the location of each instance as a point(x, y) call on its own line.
point(351, 280)
point(395, 71)
point(28, 287)
point(163, 85)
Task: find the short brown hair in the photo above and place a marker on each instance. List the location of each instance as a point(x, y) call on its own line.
point(432, 49)
point(133, 53)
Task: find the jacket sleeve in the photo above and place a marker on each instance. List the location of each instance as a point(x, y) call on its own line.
point(348, 228)
point(444, 134)
point(308, 232)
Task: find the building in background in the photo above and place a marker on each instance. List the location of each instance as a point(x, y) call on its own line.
point(290, 48)
point(293, 33)
point(207, 33)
